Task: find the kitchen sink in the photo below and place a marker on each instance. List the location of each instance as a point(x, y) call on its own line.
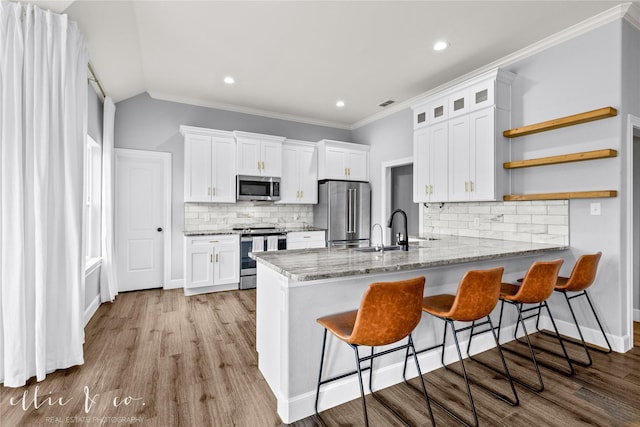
point(379, 249)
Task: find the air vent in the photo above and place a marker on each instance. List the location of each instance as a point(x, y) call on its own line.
point(386, 103)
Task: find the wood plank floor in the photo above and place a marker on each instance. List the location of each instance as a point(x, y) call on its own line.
point(158, 358)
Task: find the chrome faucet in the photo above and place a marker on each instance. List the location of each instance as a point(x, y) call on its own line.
point(401, 240)
point(381, 246)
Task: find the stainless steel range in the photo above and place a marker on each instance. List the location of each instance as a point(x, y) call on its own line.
point(254, 239)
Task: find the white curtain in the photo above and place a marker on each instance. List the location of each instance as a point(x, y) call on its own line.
point(108, 278)
point(43, 115)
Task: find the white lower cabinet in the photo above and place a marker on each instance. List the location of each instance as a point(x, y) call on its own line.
point(306, 239)
point(212, 263)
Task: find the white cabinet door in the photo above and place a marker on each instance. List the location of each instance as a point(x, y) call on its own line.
point(223, 186)
point(482, 167)
point(299, 183)
point(430, 164)
point(212, 261)
point(357, 165)
point(459, 159)
point(336, 163)
point(289, 184)
point(258, 154)
point(209, 165)
point(308, 174)
point(227, 264)
point(421, 168)
point(198, 168)
point(271, 158)
point(343, 160)
point(199, 268)
point(438, 166)
point(249, 156)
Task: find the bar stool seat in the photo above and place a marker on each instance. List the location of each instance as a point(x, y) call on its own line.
point(475, 299)
point(388, 313)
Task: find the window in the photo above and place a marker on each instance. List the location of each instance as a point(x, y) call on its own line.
point(93, 200)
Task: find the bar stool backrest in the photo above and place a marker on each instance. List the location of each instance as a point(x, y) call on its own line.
point(477, 295)
point(389, 311)
point(582, 275)
point(539, 282)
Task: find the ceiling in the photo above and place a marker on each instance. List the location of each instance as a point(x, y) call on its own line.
point(295, 59)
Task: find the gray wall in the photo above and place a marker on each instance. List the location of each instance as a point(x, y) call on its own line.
point(94, 129)
point(144, 123)
point(390, 138)
point(402, 198)
point(579, 75)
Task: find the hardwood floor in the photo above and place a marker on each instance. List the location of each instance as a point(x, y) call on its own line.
point(158, 358)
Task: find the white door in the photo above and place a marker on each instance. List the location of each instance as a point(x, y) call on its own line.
point(142, 218)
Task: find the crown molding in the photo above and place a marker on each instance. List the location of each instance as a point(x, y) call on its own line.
point(632, 14)
point(246, 110)
point(629, 11)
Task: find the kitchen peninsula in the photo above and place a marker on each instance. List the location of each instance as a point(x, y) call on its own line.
point(296, 287)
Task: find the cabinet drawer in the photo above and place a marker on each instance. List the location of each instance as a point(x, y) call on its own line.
point(305, 239)
point(213, 239)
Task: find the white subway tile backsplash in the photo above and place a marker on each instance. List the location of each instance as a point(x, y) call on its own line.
point(530, 221)
point(532, 210)
point(517, 219)
point(223, 216)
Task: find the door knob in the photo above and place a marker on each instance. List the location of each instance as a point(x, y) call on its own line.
point(159, 229)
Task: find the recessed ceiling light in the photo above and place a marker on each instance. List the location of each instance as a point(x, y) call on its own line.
point(340, 104)
point(441, 45)
point(229, 80)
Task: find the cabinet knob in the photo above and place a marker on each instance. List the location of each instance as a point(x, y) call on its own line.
point(159, 229)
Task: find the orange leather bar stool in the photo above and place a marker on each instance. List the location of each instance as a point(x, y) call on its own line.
point(475, 299)
point(537, 286)
point(582, 277)
point(388, 313)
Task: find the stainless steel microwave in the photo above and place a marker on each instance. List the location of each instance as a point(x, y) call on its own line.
point(257, 188)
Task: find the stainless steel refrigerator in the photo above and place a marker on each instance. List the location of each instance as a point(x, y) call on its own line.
point(344, 210)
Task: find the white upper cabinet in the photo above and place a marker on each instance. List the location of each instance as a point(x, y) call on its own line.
point(343, 160)
point(299, 184)
point(466, 121)
point(430, 179)
point(259, 155)
point(209, 165)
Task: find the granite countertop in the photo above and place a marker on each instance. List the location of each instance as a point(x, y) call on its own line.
point(230, 231)
point(315, 264)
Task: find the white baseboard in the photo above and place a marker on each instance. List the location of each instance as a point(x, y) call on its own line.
point(593, 336)
point(175, 284)
point(91, 310)
point(636, 315)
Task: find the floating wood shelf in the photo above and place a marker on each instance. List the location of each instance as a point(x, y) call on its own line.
point(576, 119)
point(561, 196)
point(564, 158)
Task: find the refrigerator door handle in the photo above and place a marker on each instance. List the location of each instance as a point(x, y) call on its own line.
point(349, 212)
point(354, 216)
